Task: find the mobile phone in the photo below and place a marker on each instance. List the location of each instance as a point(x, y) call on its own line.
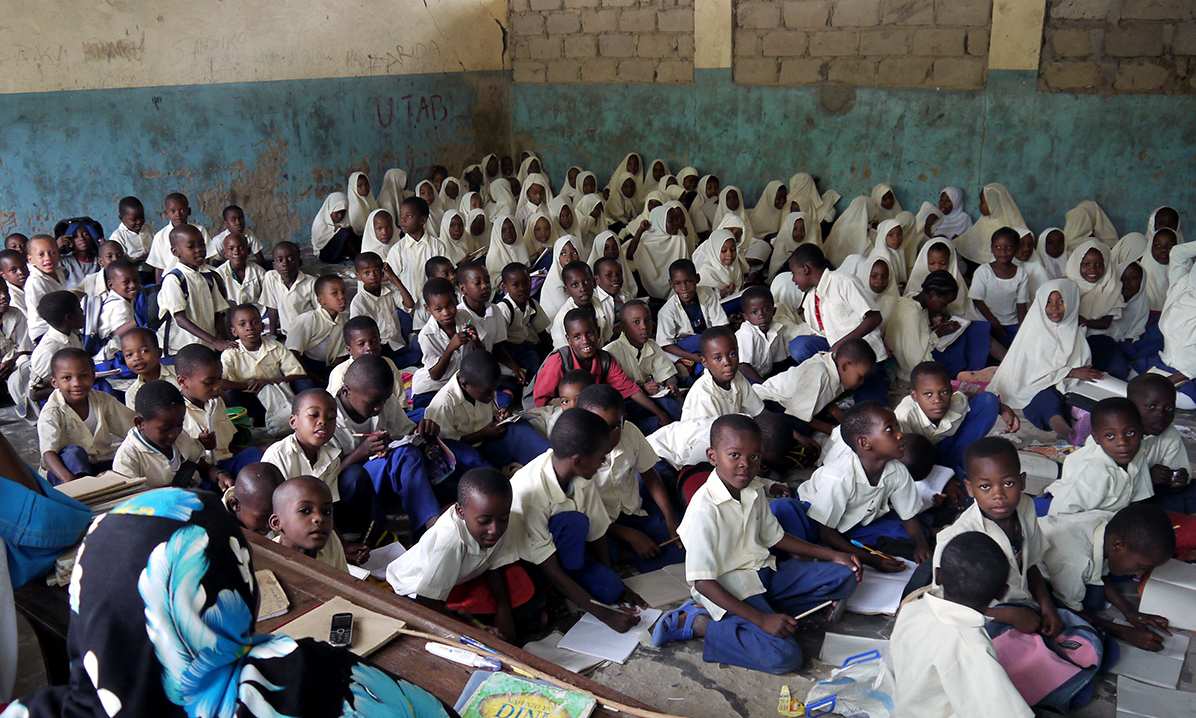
point(342, 630)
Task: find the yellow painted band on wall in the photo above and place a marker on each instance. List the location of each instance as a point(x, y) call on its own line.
point(1016, 34)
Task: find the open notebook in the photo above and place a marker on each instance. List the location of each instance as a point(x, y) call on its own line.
point(1171, 592)
point(662, 587)
point(880, 592)
point(595, 638)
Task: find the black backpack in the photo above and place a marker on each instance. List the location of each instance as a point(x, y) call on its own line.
point(568, 364)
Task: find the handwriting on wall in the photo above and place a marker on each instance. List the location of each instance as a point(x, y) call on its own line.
point(419, 108)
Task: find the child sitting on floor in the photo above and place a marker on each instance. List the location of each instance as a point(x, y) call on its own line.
point(144, 358)
point(381, 302)
point(689, 311)
point(302, 520)
point(442, 342)
point(527, 323)
point(317, 337)
point(763, 339)
point(361, 338)
point(156, 448)
point(744, 600)
point(14, 267)
point(132, 233)
point(643, 360)
point(64, 320)
point(117, 311)
point(95, 284)
point(286, 291)
point(243, 279)
point(1163, 450)
point(234, 226)
point(473, 282)
point(191, 301)
point(178, 210)
point(45, 276)
point(721, 389)
point(197, 371)
point(999, 291)
point(259, 372)
point(250, 499)
point(1109, 472)
point(579, 290)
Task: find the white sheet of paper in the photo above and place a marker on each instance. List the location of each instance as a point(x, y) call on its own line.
point(1107, 388)
point(359, 572)
point(945, 341)
point(595, 638)
point(838, 647)
point(933, 484)
point(549, 649)
point(381, 557)
point(1171, 592)
point(880, 592)
point(1160, 669)
point(661, 587)
point(1139, 700)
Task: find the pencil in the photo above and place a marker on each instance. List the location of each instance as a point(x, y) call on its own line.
point(675, 539)
point(366, 436)
point(824, 604)
point(857, 544)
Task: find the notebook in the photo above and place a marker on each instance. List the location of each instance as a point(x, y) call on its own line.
point(594, 638)
point(1139, 700)
point(94, 490)
point(549, 649)
point(932, 485)
point(880, 592)
point(274, 600)
point(371, 630)
point(662, 587)
point(947, 340)
point(381, 557)
point(1160, 668)
point(503, 695)
point(1171, 592)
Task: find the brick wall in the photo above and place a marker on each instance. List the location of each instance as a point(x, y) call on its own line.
point(1123, 46)
point(867, 43)
point(603, 40)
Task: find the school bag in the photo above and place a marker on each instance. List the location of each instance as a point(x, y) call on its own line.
point(168, 321)
point(567, 363)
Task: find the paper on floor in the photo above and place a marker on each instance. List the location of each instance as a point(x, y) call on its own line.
point(1138, 700)
point(880, 592)
point(595, 638)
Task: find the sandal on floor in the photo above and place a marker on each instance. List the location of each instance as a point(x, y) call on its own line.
point(678, 624)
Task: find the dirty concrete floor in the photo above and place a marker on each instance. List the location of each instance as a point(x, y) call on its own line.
point(673, 679)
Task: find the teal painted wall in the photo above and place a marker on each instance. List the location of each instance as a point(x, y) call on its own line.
point(275, 148)
point(1129, 153)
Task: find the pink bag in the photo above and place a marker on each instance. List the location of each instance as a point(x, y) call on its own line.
point(1034, 669)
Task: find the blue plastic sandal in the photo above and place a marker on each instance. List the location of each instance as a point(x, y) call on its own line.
point(671, 628)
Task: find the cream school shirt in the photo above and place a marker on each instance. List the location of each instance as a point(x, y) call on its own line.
point(215, 245)
point(1001, 296)
point(836, 306)
point(560, 340)
point(728, 540)
point(639, 364)
point(447, 556)
point(115, 312)
point(432, 342)
point(212, 416)
point(492, 326)
point(407, 257)
point(136, 457)
point(288, 456)
point(16, 298)
point(336, 379)
point(58, 426)
point(1092, 481)
point(618, 477)
point(38, 285)
point(908, 335)
point(201, 304)
point(683, 443)
point(333, 553)
point(391, 419)
point(14, 337)
point(136, 244)
point(160, 256)
point(383, 309)
point(806, 388)
point(165, 373)
point(524, 325)
point(40, 360)
point(243, 291)
point(706, 398)
point(456, 413)
point(761, 350)
point(318, 335)
point(1075, 554)
point(1166, 449)
point(539, 497)
point(841, 497)
point(672, 323)
point(1031, 554)
point(914, 421)
point(956, 675)
point(291, 301)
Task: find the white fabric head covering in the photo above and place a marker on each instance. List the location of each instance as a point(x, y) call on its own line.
point(784, 245)
point(488, 178)
point(709, 265)
point(686, 171)
point(359, 207)
point(525, 172)
point(1150, 228)
point(1132, 322)
point(502, 199)
point(482, 238)
point(459, 248)
point(443, 201)
point(766, 218)
point(586, 226)
point(526, 207)
point(1103, 297)
point(534, 248)
point(645, 214)
point(878, 193)
point(598, 250)
point(722, 212)
point(569, 191)
point(911, 239)
point(322, 227)
point(1056, 266)
point(821, 208)
point(1043, 353)
point(657, 250)
point(958, 221)
point(1129, 248)
point(370, 241)
point(1178, 325)
point(672, 191)
point(962, 306)
point(703, 205)
point(650, 182)
point(1156, 281)
point(552, 293)
point(555, 206)
point(432, 227)
point(884, 301)
point(976, 243)
point(621, 172)
point(500, 254)
point(895, 258)
point(581, 183)
point(850, 233)
point(464, 200)
point(1087, 220)
point(619, 207)
point(394, 190)
point(925, 212)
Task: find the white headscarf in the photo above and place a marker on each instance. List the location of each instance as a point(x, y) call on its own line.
point(555, 206)
point(1178, 325)
point(962, 306)
point(766, 218)
point(1056, 266)
point(481, 239)
point(432, 227)
point(621, 173)
point(464, 200)
point(784, 245)
point(487, 178)
point(586, 226)
point(1132, 322)
point(672, 191)
point(370, 241)
point(568, 191)
point(552, 293)
point(456, 249)
point(443, 201)
point(534, 248)
point(502, 199)
point(619, 207)
point(394, 190)
point(709, 265)
point(925, 212)
point(1036, 272)
point(1043, 353)
point(911, 239)
point(525, 171)
point(359, 207)
point(581, 183)
point(878, 193)
point(598, 251)
point(821, 208)
point(976, 243)
point(1103, 297)
point(1150, 228)
point(884, 301)
point(526, 207)
point(1129, 248)
point(1156, 280)
point(702, 208)
point(657, 250)
point(895, 258)
point(500, 254)
point(850, 233)
point(959, 221)
point(322, 227)
point(650, 182)
point(1087, 220)
point(722, 212)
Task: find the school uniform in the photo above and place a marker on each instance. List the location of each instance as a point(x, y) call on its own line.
point(524, 327)
point(40, 361)
point(14, 334)
point(290, 301)
point(966, 421)
point(115, 312)
point(682, 443)
point(215, 245)
point(288, 456)
point(93, 285)
point(728, 541)
point(320, 338)
point(607, 305)
point(432, 342)
point(458, 415)
point(86, 446)
point(336, 379)
point(160, 254)
point(246, 289)
point(1075, 558)
point(841, 498)
point(558, 523)
point(954, 675)
point(1001, 296)
point(137, 457)
point(1167, 449)
point(909, 337)
point(213, 416)
point(38, 285)
point(1092, 481)
point(333, 553)
point(559, 338)
point(271, 361)
point(165, 373)
point(407, 257)
point(706, 398)
point(491, 325)
point(135, 244)
point(682, 324)
point(383, 308)
point(16, 298)
point(195, 293)
point(1025, 554)
point(446, 557)
point(646, 362)
point(804, 390)
point(761, 350)
point(549, 376)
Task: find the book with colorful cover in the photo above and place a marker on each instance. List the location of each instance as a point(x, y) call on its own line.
point(503, 695)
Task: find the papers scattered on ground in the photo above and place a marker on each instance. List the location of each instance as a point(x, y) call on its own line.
point(381, 557)
point(1171, 592)
point(1160, 668)
point(594, 638)
point(663, 587)
point(1139, 700)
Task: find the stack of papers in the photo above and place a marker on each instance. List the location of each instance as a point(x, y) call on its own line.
point(1139, 700)
point(663, 587)
point(107, 488)
point(880, 592)
point(932, 485)
point(594, 638)
point(1160, 669)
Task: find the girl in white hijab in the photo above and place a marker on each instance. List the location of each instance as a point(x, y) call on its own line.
point(587, 185)
point(379, 233)
point(427, 192)
point(532, 165)
point(918, 320)
point(880, 285)
point(719, 265)
point(1130, 327)
point(449, 196)
point(890, 238)
point(730, 201)
point(564, 221)
point(631, 166)
point(850, 233)
point(491, 170)
point(589, 215)
point(657, 170)
point(956, 221)
point(469, 202)
point(502, 200)
point(1100, 287)
point(539, 236)
point(753, 251)
point(329, 220)
point(704, 205)
point(505, 247)
point(1052, 252)
point(1087, 220)
point(453, 236)
point(770, 211)
point(792, 233)
point(361, 201)
point(569, 188)
point(661, 245)
point(622, 206)
point(927, 224)
point(606, 244)
point(1178, 326)
point(997, 209)
point(394, 190)
point(1156, 263)
point(477, 231)
point(820, 207)
point(887, 206)
point(643, 219)
point(552, 293)
point(671, 187)
point(1047, 359)
point(1128, 248)
point(1164, 217)
point(936, 254)
point(533, 198)
point(1028, 258)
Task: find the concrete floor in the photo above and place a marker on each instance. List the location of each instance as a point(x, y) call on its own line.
point(673, 679)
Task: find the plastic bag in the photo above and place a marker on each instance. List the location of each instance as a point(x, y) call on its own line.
point(862, 688)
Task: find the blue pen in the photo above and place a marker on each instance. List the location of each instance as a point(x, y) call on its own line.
point(478, 645)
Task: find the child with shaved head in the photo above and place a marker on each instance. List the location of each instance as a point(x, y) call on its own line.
point(302, 518)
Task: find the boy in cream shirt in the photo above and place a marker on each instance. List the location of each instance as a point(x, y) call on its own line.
point(721, 389)
point(198, 372)
point(144, 358)
point(805, 390)
point(1163, 450)
point(763, 337)
point(157, 449)
point(1109, 472)
point(643, 360)
point(318, 337)
point(259, 371)
point(302, 520)
point(689, 311)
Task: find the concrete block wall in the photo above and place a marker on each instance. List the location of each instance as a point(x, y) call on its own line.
point(864, 43)
point(1119, 46)
point(625, 41)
